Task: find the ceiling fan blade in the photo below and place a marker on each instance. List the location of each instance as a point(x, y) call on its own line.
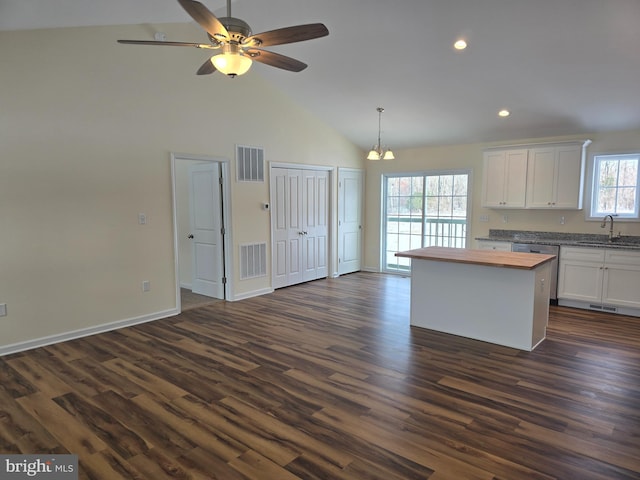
point(206, 68)
point(170, 44)
point(205, 19)
point(281, 36)
point(276, 60)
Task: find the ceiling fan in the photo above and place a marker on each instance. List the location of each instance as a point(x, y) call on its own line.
point(237, 45)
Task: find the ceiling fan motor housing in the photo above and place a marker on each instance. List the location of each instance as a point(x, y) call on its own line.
point(238, 29)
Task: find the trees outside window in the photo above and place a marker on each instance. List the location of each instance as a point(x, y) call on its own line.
point(615, 186)
point(423, 210)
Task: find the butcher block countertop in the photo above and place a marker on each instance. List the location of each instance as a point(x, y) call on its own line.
point(490, 258)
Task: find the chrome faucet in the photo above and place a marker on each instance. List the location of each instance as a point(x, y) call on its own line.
point(612, 237)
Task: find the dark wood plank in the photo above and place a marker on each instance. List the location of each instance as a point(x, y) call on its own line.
point(328, 380)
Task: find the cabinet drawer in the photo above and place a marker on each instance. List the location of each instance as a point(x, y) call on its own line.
point(595, 255)
point(491, 245)
point(622, 257)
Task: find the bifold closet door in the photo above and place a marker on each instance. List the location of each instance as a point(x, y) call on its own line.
point(299, 220)
point(315, 218)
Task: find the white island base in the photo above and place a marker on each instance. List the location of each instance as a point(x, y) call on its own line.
point(494, 303)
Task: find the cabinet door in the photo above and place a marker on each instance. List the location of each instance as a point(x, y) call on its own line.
point(504, 179)
point(621, 278)
point(493, 172)
point(541, 177)
point(580, 281)
point(580, 273)
point(621, 286)
point(569, 177)
point(555, 177)
point(516, 178)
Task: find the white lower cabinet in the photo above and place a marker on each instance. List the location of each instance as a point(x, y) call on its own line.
point(600, 279)
point(493, 245)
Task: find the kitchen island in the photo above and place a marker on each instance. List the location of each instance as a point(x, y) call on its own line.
point(493, 296)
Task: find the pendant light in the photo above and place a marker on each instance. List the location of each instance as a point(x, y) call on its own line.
point(378, 151)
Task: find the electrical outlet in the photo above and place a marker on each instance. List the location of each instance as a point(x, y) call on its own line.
point(146, 285)
point(505, 219)
point(562, 220)
point(3, 309)
point(142, 219)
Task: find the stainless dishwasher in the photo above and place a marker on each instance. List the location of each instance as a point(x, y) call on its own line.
point(547, 250)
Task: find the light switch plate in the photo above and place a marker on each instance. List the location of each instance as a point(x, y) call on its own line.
point(3, 309)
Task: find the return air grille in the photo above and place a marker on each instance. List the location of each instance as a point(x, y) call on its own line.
point(253, 260)
point(249, 164)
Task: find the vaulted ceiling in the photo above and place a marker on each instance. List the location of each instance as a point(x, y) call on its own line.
point(561, 67)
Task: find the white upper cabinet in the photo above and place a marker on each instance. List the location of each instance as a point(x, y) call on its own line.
point(504, 178)
point(555, 176)
point(542, 176)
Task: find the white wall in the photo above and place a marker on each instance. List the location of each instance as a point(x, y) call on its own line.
point(470, 156)
point(87, 127)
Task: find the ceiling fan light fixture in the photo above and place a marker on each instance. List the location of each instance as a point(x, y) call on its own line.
point(378, 152)
point(231, 61)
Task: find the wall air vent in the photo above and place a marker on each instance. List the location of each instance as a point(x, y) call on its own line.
point(253, 260)
point(249, 164)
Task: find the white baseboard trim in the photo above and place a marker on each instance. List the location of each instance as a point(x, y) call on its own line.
point(371, 269)
point(188, 286)
point(255, 293)
point(84, 332)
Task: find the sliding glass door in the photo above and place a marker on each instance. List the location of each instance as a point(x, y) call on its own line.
point(423, 210)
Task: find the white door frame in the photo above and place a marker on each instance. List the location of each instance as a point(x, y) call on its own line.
point(226, 221)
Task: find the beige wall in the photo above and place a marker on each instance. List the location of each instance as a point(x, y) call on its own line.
point(87, 128)
point(470, 157)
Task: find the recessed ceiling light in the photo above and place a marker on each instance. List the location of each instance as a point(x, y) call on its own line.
point(460, 44)
point(504, 113)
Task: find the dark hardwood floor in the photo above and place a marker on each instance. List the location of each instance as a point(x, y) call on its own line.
point(326, 380)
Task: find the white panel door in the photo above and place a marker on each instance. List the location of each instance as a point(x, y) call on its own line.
point(286, 225)
point(349, 220)
point(206, 229)
point(315, 219)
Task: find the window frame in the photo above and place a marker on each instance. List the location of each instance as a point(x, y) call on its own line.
point(592, 190)
point(424, 173)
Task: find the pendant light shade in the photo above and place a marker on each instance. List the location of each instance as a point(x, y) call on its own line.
point(378, 151)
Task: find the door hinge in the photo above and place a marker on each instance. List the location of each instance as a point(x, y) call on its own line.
point(222, 231)
point(224, 280)
point(220, 180)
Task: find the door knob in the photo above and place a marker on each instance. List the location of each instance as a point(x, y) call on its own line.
point(190, 235)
